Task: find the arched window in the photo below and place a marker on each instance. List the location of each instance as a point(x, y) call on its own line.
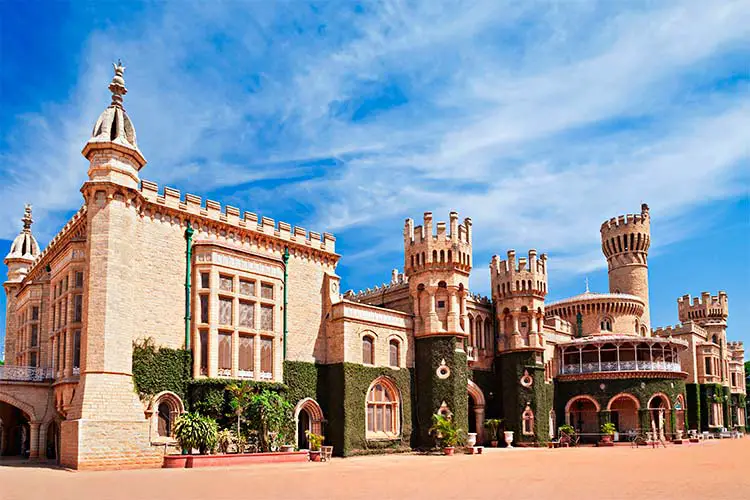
point(606, 324)
point(528, 422)
point(487, 335)
point(164, 427)
point(394, 352)
point(383, 412)
point(368, 350)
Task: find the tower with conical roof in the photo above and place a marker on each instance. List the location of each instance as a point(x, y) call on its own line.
point(105, 403)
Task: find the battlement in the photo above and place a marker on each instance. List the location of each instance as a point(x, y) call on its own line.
point(705, 307)
point(192, 204)
point(736, 350)
point(525, 276)
point(628, 221)
point(439, 246)
point(679, 329)
point(397, 280)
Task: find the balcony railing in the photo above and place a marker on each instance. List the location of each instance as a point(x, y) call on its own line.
point(24, 374)
point(621, 366)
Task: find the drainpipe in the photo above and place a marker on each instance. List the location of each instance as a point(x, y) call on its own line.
point(285, 258)
point(188, 259)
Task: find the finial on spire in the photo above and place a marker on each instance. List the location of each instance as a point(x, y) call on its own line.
point(27, 220)
point(117, 86)
point(587, 284)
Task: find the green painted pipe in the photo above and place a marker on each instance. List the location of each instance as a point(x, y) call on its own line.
point(188, 261)
point(285, 258)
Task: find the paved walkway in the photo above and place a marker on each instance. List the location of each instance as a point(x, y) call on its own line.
point(715, 470)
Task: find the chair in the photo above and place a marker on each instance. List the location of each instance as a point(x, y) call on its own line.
point(325, 453)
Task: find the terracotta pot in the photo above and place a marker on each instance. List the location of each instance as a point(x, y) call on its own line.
point(314, 456)
point(493, 444)
point(607, 438)
point(286, 448)
point(449, 450)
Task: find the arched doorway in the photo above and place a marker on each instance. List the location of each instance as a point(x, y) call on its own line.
point(624, 412)
point(659, 413)
point(582, 412)
point(15, 439)
point(308, 417)
point(476, 410)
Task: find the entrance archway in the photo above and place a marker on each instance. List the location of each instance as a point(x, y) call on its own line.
point(582, 412)
point(308, 417)
point(659, 410)
point(15, 431)
point(624, 412)
point(476, 411)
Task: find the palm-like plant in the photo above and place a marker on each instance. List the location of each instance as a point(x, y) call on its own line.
point(445, 431)
point(193, 430)
point(242, 396)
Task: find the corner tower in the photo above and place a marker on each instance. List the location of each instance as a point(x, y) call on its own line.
point(518, 290)
point(625, 243)
point(437, 266)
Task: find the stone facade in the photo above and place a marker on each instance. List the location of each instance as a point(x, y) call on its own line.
point(263, 296)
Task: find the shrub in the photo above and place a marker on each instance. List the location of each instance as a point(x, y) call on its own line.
point(316, 440)
point(196, 431)
point(271, 415)
point(445, 431)
point(567, 429)
point(224, 439)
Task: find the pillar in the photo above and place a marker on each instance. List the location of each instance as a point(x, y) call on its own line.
point(34, 439)
point(479, 423)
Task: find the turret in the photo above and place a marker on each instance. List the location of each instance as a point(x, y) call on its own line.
point(704, 308)
point(437, 263)
point(518, 289)
point(625, 243)
point(23, 251)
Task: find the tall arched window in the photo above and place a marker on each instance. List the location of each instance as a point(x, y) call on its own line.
point(487, 335)
point(368, 350)
point(528, 422)
point(606, 324)
point(383, 410)
point(165, 420)
point(393, 350)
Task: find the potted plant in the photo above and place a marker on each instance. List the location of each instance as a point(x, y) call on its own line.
point(193, 430)
point(316, 441)
point(567, 433)
point(224, 440)
point(492, 425)
point(447, 434)
point(608, 430)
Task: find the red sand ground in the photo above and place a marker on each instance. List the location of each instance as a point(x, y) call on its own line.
point(714, 470)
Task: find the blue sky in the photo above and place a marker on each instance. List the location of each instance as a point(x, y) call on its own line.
point(537, 119)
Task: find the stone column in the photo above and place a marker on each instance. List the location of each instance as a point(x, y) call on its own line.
point(34, 439)
point(453, 312)
point(479, 422)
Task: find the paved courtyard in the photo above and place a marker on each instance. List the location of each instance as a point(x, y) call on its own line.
point(717, 469)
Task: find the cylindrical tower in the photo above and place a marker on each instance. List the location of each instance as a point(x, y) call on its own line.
point(625, 243)
point(437, 267)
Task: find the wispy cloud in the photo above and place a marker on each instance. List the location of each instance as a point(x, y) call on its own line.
point(538, 121)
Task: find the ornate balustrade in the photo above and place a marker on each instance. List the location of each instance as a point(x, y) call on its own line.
point(24, 374)
point(622, 366)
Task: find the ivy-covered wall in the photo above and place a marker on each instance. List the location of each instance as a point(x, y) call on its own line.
point(489, 382)
point(160, 369)
point(432, 391)
point(539, 396)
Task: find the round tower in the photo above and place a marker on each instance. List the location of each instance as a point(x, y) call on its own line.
point(518, 290)
point(625, 243)
point(437, 267)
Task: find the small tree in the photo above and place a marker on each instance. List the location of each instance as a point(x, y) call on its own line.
point(196, 431)
point(270, 414)
point(242, 395)
point(492, 425)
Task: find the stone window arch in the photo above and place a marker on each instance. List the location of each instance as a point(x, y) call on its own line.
point(383, 410)
point(527, 421)
point(394, 352)
point(163, 411)
point(606, 324)
point(368, 349)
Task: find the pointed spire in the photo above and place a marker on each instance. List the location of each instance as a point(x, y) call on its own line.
point(587, 285)
point(117, 86)
point(27, 219)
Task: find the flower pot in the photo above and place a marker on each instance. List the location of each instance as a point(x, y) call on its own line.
point(493, 443)
point(607, 438)
point(449, 450)
point(471, 439)
point(286, 448)
point(508, 435)
point(314, 456)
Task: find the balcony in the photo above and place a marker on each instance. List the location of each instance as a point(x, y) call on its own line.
point(24, 374)
point(622, 366)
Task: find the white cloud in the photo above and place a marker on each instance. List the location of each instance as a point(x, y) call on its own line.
point(537, 122)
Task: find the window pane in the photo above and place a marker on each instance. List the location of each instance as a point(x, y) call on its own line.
point(247, 288)
point(370, 418)
point(225, 351)
point(266, 355)
point(77, 307)
point(266, 318)
point(35, 336)
point(204, 280)
point(33, 359)
point(34, 312)
point(388, 418)
point(379, 419)
point(225, 311)
point(79, 279)
point(266, 291)
point(247, 354)
point(204, 308)
point(225, 283)
point(204, 350)
point(77, 349)
point(63, 346)
point(367, 351)
point(394, 354)
point(247, 314)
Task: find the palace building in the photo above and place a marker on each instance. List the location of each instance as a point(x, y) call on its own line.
point(250, 298)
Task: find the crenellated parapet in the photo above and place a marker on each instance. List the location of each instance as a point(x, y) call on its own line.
point(522, 277)
point(736, 350)
point(233, 217)
point(627, 238)
point(704, 308)
point(397, 280)
point(441, 247)
point(680, 329)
